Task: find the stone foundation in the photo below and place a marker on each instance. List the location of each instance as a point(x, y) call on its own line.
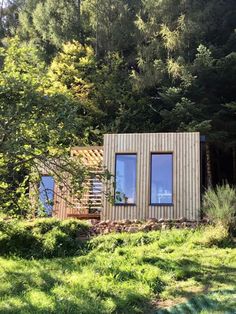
point(132, 226)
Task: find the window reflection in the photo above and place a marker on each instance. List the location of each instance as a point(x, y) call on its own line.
point(46, 193)
point(125, 179)
point(161, 179)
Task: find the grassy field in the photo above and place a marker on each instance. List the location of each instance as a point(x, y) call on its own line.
point(177, 271)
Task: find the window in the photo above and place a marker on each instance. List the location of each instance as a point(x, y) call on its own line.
point(46, 193)
point(161, 179)
point(125, 179)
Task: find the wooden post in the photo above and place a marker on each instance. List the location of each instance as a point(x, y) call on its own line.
point(234, 164)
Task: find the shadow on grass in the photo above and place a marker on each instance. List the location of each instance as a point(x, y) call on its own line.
point(68, 298)
point(184, 269)
point(15, 296)
point(205, 303)
point(86, 303)
point(20, 282)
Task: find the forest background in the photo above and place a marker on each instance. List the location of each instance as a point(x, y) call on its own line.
point(73, 70)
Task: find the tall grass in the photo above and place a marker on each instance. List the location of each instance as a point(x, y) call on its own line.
point(220, 205)
point(121, 273)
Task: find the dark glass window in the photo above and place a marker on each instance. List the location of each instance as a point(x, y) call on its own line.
point(46, 193)
point(161, 179)
point(125, 179)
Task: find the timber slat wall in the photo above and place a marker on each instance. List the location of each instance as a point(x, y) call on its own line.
point(64, 203)
point(91, 158)
point(186, 174)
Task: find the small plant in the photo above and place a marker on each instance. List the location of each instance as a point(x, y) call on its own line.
point(220, 205)
point(213, 236)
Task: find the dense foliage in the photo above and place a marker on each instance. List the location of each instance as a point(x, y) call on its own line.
point(72, 70)
point(42, 238)
point(127, 273)
point(40, 119)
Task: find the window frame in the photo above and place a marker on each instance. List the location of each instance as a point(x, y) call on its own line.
point(172, 178)
point(126, 204)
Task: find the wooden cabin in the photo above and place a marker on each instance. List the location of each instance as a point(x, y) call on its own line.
point(154, 175)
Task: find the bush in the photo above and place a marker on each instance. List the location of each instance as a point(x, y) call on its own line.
point(220, 205)
point(46, 237)
point(211, 236)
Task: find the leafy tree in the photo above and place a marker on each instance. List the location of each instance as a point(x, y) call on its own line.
point(188, 63)
point(72, 69)
point(50, 23)
point(37, 128)
point(112, 25)
point(71, 72)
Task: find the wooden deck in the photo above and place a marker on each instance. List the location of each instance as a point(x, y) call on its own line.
point(85, 216)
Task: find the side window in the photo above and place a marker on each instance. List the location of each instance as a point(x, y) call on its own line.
point(125, 179)
point(46, 193)
point(162, 178)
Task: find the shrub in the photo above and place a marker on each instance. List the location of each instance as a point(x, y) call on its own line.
point(220, 205)
point(211, 236)
point(46, 237)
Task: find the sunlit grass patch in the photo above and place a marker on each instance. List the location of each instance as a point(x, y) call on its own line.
point(40, 300)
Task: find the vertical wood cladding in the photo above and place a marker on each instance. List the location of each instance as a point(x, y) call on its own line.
point(185, 148)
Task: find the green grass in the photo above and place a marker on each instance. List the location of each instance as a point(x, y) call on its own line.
point(182, 270)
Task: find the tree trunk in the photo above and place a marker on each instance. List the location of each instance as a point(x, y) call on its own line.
point(208, 166)
point(96, 47)
point(1, 12)
point(218, 171)
point(234, 164)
